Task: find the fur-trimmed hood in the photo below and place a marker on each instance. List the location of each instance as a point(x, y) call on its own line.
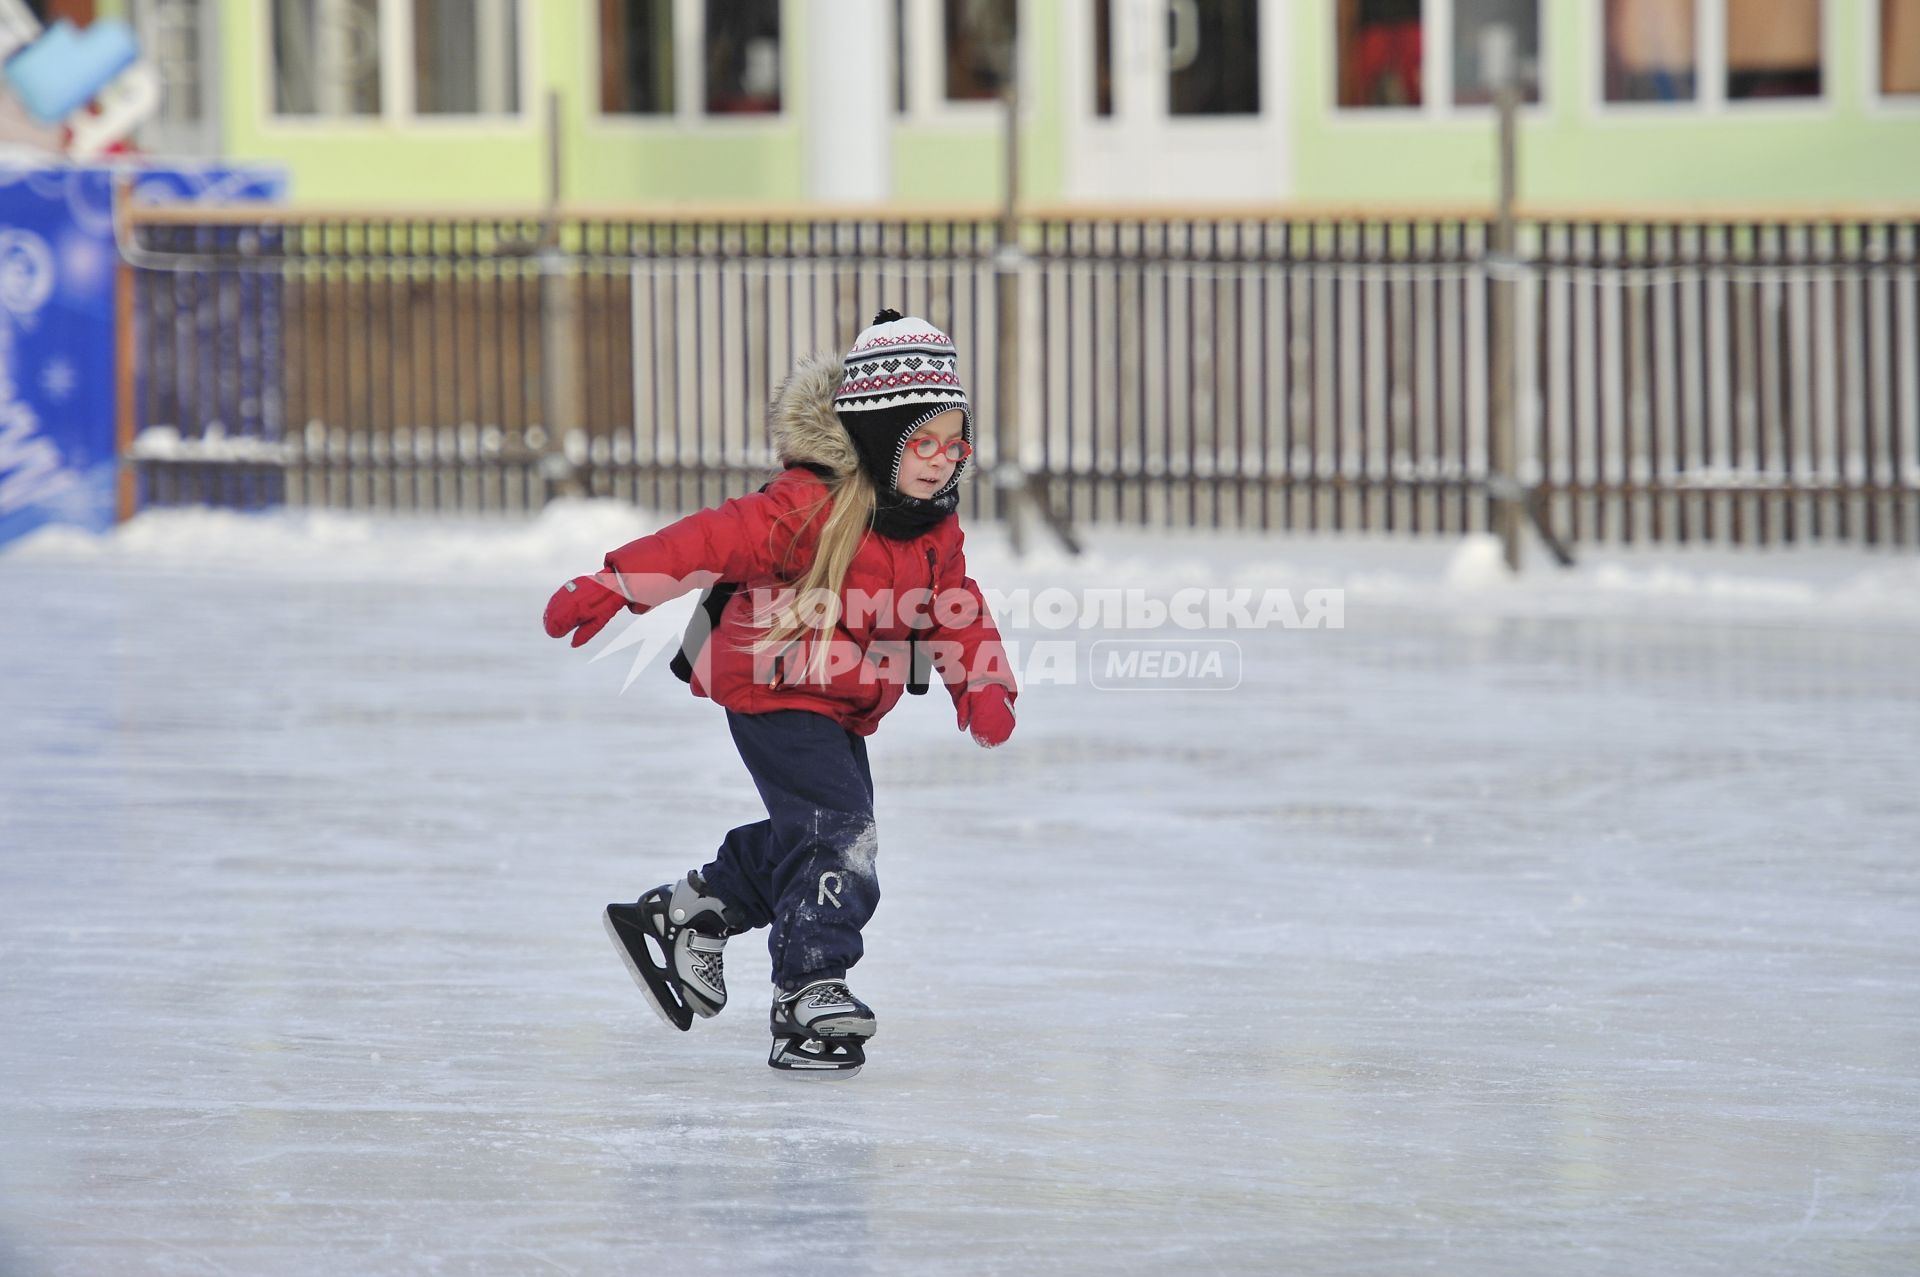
point(802, 421)
point(807, 430)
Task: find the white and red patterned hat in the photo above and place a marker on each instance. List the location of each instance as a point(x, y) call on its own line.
point(899, 361)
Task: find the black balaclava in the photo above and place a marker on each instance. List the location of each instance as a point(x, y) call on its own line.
point(901, 374)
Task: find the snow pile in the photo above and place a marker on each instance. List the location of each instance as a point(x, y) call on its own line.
point(568, 537)
point(1793, 586)
point(163, 443)
point(1797, 586)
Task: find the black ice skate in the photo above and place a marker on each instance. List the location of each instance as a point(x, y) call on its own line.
point(671, 940)
point(820, 1028)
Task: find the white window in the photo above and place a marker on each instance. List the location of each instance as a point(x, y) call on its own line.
point(952, 57)
point(1471, 21)
point(742, 57)
point(466, 57)
point(393, 60)
point(1213, 58)
point(978, 41)
point(1380, 47)
point(1213, 62)
point(636, 57)
point(1712, 54)
point(1899, 69)
point(182, 40)
point(1773, 49)
point(690, 59)
point(1102, 82)
point(326, 58)
point(1429, 54)
point(1651, 49)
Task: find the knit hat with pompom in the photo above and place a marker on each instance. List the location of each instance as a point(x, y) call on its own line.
point(901, 373)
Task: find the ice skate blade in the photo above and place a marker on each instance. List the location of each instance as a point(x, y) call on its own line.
point(816, 1057)
point(671, 1014)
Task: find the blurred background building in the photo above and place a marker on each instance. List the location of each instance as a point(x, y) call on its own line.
point(1256, 275)
point(713, 101)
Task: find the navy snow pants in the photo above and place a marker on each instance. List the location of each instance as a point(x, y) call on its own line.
point(807, 869)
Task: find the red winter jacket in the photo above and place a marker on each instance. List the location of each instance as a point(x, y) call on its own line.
point(764, 542)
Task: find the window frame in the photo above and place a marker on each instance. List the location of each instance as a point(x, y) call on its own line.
point(525, 113)
point(1710, 100)
point(1880, 102)
point(1815, 104)
point(398, 84)
point(596, 47)
point(689, 79)
point(1707, 50)
point(1268, 83)
point(1436, 75)
point(1083, 74)
point(202, 137)
point(925, 42)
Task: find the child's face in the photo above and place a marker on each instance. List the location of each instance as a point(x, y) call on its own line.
point(923, 476)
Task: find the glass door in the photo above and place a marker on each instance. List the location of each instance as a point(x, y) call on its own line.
point(1178, 101)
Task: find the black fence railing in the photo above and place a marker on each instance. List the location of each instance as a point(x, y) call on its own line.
point(1746, 382)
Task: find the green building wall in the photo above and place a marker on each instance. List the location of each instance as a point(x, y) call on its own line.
point(1845, 149)
point(606, 161)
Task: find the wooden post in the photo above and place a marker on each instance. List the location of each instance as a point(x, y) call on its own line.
point(126, 366)
point(1497, 60)
point(559, 324)
point(1021, 493)
point(1006, 288)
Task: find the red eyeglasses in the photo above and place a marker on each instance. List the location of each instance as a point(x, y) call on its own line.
point(927, 447)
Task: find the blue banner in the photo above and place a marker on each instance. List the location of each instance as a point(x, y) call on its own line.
point(57, 383)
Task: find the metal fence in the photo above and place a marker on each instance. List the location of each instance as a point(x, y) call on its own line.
point(1743, 382)
point(1678, 381)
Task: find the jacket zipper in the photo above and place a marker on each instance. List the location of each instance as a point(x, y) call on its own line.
point(779, 675)
point(917, 681)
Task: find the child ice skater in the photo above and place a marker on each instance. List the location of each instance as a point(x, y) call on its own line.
point(849, 586)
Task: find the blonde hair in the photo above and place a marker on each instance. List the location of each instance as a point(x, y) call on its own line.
point(813, 607)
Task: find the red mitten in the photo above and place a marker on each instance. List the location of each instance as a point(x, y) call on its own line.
point(583, 603)
point(988, 712)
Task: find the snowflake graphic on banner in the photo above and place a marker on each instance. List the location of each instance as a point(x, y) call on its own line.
point(58, 379)
point(26, 272)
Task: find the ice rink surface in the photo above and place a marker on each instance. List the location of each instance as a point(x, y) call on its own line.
point(1566, 928)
